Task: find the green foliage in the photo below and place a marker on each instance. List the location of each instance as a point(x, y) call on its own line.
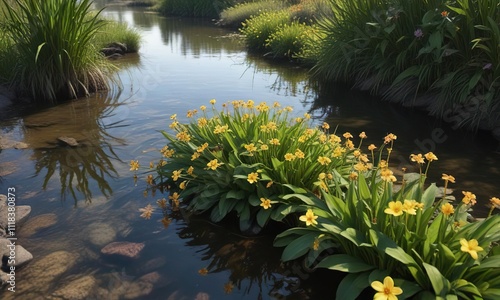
point(258, 29)
point(50, 44)
point(250, 160)
point(448, 48)
point(118, 32)
point(235, 15)
point(368, 230)
point(290, 40)
point(309, 11)
point(193, 8)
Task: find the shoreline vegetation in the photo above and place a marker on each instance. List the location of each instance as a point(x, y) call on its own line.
point(51, 59)
point(342, 205)
point(439, 56)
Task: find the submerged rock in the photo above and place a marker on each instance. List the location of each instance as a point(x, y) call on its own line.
point(100, 234)
point(142, 286)
point(22, 257)
point(22, 214)
point(37, 223)
point(124, 249)
point(68, 141)
point(76, 289)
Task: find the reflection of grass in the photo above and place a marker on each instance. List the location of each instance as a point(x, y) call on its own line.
point(81, 168)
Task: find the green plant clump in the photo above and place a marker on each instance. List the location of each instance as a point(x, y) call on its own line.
point(52, 49)
point(193, 8)
point(235, 15)
point(258, 29)
point(118, 32)
point(290, 40)
point(371, 232)
point(248, 160)
point(447, 49)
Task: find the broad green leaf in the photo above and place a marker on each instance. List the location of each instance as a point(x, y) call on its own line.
point(236, 194)
point(354, 236)
point(263, 216)
point(299, 246)
point(344, 263)
point(440, 284)
point(352, 285)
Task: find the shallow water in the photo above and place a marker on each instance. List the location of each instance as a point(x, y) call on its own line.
point(90, 198)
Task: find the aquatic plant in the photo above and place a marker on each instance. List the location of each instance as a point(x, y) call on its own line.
point(113, 31)
point(235, 15)
point(193, 8)
point(447, 49)
point(248, 159)
point(290, 40)
point(52, 50)
point(368, 230)
point(258, 29)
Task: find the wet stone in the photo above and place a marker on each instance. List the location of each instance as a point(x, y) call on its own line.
point(68, 141)
point(100, 234)
point(77, 289)
point(143, 286)
point(22, 257)
point(37, 223)
point(22, 214)
point(123, 249)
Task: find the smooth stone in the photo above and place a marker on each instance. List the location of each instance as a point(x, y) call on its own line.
point(125, 249)
point(20, 145)
point(32, 225)
point(22, 214)
point(68, 141)
point(142, 286)
point(22, 257)
point(77, 289)
point(101, 234)
point(4, 277)
point(4, 247)
point(153, 264)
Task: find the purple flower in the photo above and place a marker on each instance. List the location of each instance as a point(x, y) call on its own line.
point(418, 33)
point(487, 66)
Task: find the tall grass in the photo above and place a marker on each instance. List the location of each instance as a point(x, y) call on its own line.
point(235, 15)
point(117, 32)
point(449, 49)
point(53, 55)
point(258, 29)
point(193, 8)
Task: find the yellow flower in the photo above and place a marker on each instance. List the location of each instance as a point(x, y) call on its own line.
point(202, 147)
point(147, 211)
point(228, 287)
point(389, 138)
point(173, 124)
point(353, 176)
point(447, 209)
point(213, 164)
point(266, 203)
point(212, 101)
point(174, 196)
point(252, 177)
point(167, 152)
point(316, 244)
point(472, 247)
point(264, 147)
point(276, 104)
point(360, 167)
point(347, 135)
point(383, 164)
point(162, 203)
point(250, 147)
point(334, 139)
point(173, 117)
point(289, 108)
point(386, 290)
point(151, 165)
point(372, 147)
point(134, 165)
point(387, 175)
point(220, 129)
point(321, 176)
point(325, 126)
point(356, 153)
point(203, 108)
point(329, 176)
point(349, 144)
point(274, 142)
point(183, 136)
point(395, 208)
point(271, 126)
point(469, 198)
point(203, 271)
point(202, 122)
point(448, 178)
point(176, 174)
point(338, 151)
point(195, 156)
point(430, 156)
point(269, 184)
point(289, 157)
point(150, 179)
point(298, 119)
point(182, 186)
point(323, 160)
point(262, 107)
point(299, 153)
point(250, 104)
point(190, 170)
point(418, 158)
point(409, 207)
point(495, 202)
point(363, 135)
point(309, 218)
point(307, 116)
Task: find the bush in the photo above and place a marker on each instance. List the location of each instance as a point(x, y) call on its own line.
point(235, 15)
point(290, 40)
point(193, 8)
point(444, 48)
point(248, 160)
point(258, 29)
point(309, 11)
point(366, 229)
point(118, 32)
point(52, 50)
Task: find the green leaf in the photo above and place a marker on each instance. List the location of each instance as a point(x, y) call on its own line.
point(429, 196)
point(440, 284)
point(344, 263)
point(489, 262)
point(236, 194)
point(263, 216)
point(299, 246)
point(354, 236)
point(410, 72)
point(352, 285)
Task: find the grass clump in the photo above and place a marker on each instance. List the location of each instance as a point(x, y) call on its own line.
point(235, 15)
point(290, 40)
point(193, 8)
point(375, 234)
point(247, 160)
point(258, 29)
point(118, 32)
point(51, 45)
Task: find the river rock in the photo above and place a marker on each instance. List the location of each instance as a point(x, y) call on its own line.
point(68, 141)
point(142, 286)
point(152, 264)
point(77, 289)
point(22, 257)
point(37, 223)
point(124, 249)
point(22, 214)
point(100, 234)
point(20, 145)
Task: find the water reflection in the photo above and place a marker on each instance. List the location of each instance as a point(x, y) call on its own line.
point(88, 167)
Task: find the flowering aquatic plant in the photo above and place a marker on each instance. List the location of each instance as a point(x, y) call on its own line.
point(366, 229)
point(247, 158)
